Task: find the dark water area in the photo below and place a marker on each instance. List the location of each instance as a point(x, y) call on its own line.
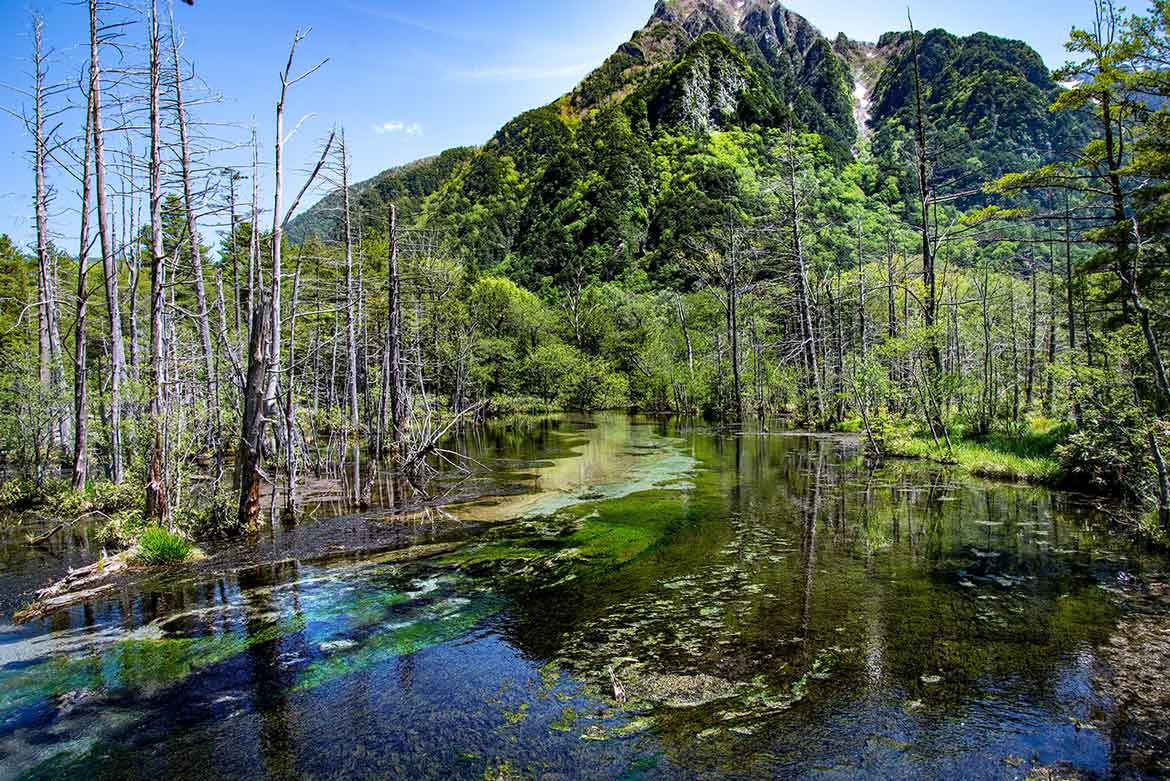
point(635, 599)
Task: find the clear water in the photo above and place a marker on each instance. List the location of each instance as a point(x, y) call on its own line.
point(646, 600)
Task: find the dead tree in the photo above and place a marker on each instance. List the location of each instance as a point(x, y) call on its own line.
point(260, 394)
point(109, 259)
point(156, 490)
point(794, 194)
point(922, 160)
point(80, 345)
point(351, 311)
point(393, 378)
point(202, 316)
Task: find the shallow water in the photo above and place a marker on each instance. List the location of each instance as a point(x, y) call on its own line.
point(642, 600)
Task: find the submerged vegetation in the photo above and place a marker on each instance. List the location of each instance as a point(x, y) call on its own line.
point(929, 235)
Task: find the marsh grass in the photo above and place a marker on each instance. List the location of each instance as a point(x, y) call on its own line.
point(160, 547)
point(1027, 457)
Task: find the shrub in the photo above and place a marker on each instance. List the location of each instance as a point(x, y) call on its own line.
point(1108, 458)
point(213, 519)
point(161, 547)
point(121, 530)
point(18, 493)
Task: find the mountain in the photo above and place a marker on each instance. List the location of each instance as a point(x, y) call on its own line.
point(622, 173)
point(987, 99)
point(406, 187)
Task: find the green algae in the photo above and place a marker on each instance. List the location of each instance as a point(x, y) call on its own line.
point(140, 666)
point(396, 640)
point(590, 539)
point(566, 721)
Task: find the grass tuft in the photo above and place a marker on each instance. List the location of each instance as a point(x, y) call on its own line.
point(160, 547)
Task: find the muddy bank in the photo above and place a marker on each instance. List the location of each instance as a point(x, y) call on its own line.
point(407, 538)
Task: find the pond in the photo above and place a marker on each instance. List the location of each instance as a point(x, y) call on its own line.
point(626, 598)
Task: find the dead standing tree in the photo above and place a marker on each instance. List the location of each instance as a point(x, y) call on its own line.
point(795, 187)
point(80, 345)
point(393, 384)
point(98, 35)
point(157, 507)
point(45, 143)
point(190, 209)
point(261, 387)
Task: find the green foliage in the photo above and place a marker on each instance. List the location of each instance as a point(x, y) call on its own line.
point(21, 493)
point(986, 100)
point(209, 519)
point(121, 530)
point(160, 548)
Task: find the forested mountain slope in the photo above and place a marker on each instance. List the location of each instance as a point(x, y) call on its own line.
point(624, 171)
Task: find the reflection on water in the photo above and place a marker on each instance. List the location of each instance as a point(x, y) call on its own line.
point(660, 602)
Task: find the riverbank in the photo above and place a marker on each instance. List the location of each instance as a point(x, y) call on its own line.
point(979, 460)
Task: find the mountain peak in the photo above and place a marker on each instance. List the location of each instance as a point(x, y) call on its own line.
point(702, 15)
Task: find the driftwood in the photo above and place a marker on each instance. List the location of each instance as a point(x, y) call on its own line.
point(430, 442)
point(80, 585)
point(40, 539)
point(43, 538)
point(619, 693)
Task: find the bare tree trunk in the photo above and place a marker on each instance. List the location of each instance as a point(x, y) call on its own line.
point(202, 316)
point(156, 489)
point(262, 383)
point(254, 234)
point(351, 314)
point(132, 256)
point(891, 311)
point(248, 475)
point(48, 334)
point(290, 409)
point(929, 304)
point(109, 262)
point(733, 334)
point(397, 379)
point(804, 302)
point(80, 366)
point(234, 249)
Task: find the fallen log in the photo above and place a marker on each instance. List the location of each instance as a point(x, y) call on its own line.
point(78, 586)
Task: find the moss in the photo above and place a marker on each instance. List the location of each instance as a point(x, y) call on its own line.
point(594, 537)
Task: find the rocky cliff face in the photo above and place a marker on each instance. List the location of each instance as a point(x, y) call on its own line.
point(788, 55)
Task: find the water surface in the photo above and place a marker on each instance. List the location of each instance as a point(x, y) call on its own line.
point(640, 599)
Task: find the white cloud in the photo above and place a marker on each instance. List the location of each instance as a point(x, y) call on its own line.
point(397, 126)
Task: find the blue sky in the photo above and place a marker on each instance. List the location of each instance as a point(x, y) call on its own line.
point(408, 79)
